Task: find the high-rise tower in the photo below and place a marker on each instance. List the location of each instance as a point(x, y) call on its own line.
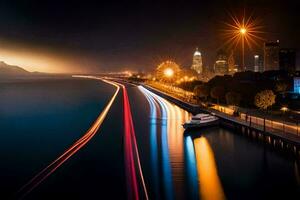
point(221, 64)
point(256, 63)
point(287, 60)
point(271, 55)
point(197, 62)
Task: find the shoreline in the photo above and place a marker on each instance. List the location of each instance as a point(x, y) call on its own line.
point(291, 141)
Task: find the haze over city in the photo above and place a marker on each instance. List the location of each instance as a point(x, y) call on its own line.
point(58, 36)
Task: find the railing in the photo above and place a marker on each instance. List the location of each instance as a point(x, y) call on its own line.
point(288, 129)
point(262, 123)
point(271, 125)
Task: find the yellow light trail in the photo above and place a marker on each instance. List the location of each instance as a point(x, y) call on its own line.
point(209, 183)
point(172, 142)
point(41, 176)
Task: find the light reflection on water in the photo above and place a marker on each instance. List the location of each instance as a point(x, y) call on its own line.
point(205, 167)
point(209, 183)
point(166, 165)
point(200, 158)
point(176, 118)
point(191, 167)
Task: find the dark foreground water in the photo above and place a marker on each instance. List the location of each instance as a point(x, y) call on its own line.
point(40, 119)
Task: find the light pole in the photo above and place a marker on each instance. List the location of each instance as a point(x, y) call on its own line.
point(243, 32)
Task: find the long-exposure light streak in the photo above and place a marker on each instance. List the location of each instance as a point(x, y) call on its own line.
point(132, 183)
point(131, 148)
point(210, 186)
point(172, 144)
point(153, 141)
point(41, 176)
point(175, 144)
point(191, 167)
point(172, 134)
point(165, 115)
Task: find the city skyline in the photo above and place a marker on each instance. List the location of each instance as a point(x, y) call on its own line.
point(86, 41)
point(141, 99)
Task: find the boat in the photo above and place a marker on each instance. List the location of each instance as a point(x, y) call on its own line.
point(201, 120)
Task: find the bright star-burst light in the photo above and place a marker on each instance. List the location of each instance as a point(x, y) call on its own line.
point(243, 31)
point(244, 28)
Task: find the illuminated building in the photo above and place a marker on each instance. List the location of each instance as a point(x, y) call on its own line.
point(221, 64)
point(197, 62)
point(297, 85)
point(287, 60)
point(258, 64)
point(271, 56)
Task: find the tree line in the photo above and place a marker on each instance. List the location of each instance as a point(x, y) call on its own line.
point(245, 89)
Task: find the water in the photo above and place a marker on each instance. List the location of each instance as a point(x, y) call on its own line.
point(40, 119)
point(214, 163)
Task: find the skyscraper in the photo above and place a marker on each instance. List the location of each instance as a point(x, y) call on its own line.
point(271, 56)
point(287, 60)
point(197, 62)
point(256, 63)
point(221, 64)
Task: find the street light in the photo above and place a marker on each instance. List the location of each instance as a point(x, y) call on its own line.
point(284, 109)
point(243, 32)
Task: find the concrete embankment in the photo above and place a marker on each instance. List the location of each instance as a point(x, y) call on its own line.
point(194, 109)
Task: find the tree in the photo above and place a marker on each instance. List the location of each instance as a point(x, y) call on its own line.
point(281, 87)
point(201, 91)
point(217, 92)
point(231, 63)
point(264, 99)
point(233, 98)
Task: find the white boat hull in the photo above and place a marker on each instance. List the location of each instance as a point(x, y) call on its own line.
point(200, 125)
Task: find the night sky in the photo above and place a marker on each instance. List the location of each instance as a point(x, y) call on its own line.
point(86, 36)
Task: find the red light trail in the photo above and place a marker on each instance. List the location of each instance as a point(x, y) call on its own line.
point(41, 176)
point(131, 149)
point(130, 144)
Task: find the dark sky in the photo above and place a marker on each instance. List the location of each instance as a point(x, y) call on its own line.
point(116, 35)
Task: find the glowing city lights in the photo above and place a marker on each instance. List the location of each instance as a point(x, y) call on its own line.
point(207, 171)
point(169, 72)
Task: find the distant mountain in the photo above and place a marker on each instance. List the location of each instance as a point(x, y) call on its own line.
point(11, 70)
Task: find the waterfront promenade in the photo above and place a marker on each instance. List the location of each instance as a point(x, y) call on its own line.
point(282, 131)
